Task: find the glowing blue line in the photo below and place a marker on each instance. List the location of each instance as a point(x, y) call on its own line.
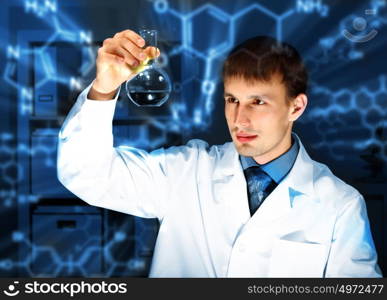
point(47, 66)
point(185, 32)
point(7, 79)
point(253, 7)
point(174, 12)
point(41, 83)
point(199, 10)
point(219, 14)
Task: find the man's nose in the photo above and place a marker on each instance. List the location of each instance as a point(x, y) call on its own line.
point(242, 116)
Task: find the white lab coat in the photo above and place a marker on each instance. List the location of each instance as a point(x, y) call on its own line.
point(312, 225)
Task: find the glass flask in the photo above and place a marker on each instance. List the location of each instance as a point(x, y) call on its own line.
point(151, 86)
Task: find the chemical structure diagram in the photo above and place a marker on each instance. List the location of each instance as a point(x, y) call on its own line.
point(351, 119)
point(341, 107)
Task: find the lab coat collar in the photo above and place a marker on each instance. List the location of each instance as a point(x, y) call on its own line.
point(228, 163)
point(300, 177)
point(299, 180)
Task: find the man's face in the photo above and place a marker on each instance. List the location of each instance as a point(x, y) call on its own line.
point(257, 115)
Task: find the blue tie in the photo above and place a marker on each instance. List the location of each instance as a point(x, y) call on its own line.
point(259, 186)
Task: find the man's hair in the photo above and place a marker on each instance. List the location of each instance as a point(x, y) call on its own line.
point(261, 57)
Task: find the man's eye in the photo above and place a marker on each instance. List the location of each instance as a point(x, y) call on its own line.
point(231, 100)
point(259, 101)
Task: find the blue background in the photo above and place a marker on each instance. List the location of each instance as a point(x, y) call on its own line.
point(48, 51)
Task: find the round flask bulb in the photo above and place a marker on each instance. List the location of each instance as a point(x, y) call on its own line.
point(151, 86)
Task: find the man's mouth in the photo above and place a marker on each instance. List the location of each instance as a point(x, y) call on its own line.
point(245, 137)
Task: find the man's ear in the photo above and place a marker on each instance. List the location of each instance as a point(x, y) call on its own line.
point(297, 106)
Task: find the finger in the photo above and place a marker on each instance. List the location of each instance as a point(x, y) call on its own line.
point(152, 52)
point(134, 37)
point(113, 59)
point(128, 57)
point(133, 49)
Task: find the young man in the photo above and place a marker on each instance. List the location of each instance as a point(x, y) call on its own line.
point(256, 207)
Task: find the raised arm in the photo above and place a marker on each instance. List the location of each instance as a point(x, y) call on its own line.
point(124, 179)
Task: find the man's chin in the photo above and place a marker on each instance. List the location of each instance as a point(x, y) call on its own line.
point(245, 149)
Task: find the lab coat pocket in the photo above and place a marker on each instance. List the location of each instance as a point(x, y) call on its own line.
point(297, 259)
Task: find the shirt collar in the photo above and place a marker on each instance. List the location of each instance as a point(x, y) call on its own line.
point(278, 168)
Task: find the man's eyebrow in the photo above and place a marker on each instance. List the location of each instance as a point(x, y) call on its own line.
point(263, 96)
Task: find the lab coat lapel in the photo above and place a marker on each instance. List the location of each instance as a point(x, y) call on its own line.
point(230, 188)
point(224, 206)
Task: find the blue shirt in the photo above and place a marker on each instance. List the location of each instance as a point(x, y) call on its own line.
point(278, 168)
